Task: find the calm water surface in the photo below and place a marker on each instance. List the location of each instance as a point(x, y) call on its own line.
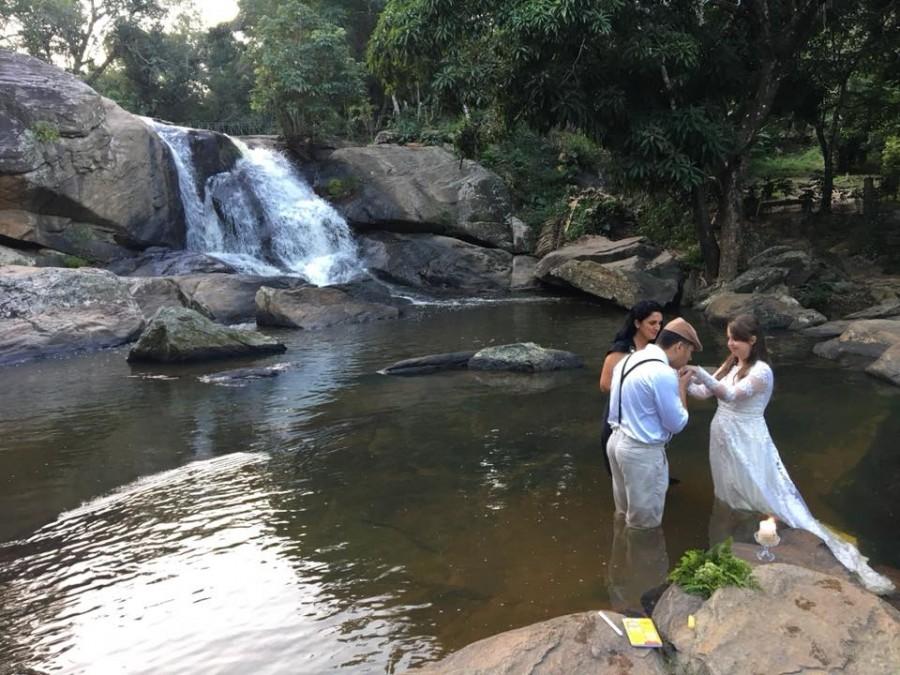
point(334, 518)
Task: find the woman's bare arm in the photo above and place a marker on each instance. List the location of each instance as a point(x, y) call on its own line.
point(608, 364)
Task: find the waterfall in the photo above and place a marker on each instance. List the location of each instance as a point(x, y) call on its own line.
point(262, 217)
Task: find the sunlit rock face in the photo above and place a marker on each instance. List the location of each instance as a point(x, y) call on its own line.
point(78, 173)
point(423, 190)
point(623, 271)
point(47, 311)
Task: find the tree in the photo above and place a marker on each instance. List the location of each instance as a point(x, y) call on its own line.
point(158, 73)
point(836, 73)
point(305, 73)
point(229, 76)
point(677, 90)
point(73, 33)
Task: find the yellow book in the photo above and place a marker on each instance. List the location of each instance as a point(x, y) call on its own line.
point(641, 632)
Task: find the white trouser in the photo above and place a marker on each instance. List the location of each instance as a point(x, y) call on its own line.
point(640, 476)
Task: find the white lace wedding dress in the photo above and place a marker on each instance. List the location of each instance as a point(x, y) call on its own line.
point(748, 472)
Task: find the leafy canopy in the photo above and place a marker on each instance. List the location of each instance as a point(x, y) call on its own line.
point(305, 72)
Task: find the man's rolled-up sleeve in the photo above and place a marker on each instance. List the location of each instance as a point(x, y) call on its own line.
point(672, 413)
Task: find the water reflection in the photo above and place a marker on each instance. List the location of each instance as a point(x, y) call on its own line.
point(188, 567)
point(395, 518)
point(638, 562)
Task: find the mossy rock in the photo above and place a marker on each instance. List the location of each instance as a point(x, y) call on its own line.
point(178, 335)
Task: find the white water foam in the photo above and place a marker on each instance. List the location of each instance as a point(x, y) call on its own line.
point(262, 217)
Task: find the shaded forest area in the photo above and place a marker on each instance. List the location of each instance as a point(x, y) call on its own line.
point(695, 122)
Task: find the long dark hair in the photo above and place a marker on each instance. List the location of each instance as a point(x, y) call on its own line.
point(744, 327)
point(639, 312)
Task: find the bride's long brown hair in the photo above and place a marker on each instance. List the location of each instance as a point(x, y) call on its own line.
point(743, 328)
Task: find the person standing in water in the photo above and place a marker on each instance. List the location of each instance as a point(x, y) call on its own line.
point(642, 324)
point(747, 470)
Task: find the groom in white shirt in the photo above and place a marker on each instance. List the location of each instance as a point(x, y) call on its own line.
point(647, 406)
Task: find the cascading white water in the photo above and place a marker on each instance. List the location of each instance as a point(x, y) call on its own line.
point(262, 217)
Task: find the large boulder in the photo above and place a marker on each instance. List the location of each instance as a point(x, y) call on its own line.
point(178, 335)
point(229, 298)
point(524, 357)
point(623, 271)
point(523, 274)
point(867, 338)
point(576, 644)
point(772, 310)
point(421, 189)
point(436, 263)
point(162, 262)
point(313, 307)
point(14, 256)
point(887, 366)
point(800, 621)
point(48, 310)
point(77, 173)
point(152, 293)
point(888, 309)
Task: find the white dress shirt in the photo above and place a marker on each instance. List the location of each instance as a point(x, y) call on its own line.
point(652, 410)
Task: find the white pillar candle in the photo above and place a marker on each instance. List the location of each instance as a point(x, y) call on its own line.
point(767, 532)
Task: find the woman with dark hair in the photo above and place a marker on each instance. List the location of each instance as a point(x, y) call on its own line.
point(642, 324)
point(747, 470)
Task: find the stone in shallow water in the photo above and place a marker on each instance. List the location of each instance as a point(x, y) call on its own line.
point(313, 307)
point(240, 376)
point(429, 364)
point(524, 357)
point(179, 334)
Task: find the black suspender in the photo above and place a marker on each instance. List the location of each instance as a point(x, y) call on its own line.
point(626, 374)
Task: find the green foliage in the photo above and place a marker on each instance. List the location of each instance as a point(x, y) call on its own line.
point(158, 73)
point(594, 212)
point(44, 132)
point(337, 189)
point(890, 156)
point(775, 165)
point(74, 262)
point(73, 32)
point(528, 164)
point(704, 572)
point(305, 73)
point(664, 220)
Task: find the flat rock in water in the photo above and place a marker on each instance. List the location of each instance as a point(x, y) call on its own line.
point(800, 621)
point(772, 310)
point(867, 337)
point(885, 310)
point(524, 357)
point(887, 366)
point(826, 330)
point(429, 364)
point(176, 335)
point(242, 375)
point(576, 644)
point(313, 307)
point(229, 298)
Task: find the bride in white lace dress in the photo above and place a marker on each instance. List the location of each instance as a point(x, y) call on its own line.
point(747, 471)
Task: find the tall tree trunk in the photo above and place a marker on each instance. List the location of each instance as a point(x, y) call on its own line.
point(827, 149)
point(730, 222)
point(709, 248)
